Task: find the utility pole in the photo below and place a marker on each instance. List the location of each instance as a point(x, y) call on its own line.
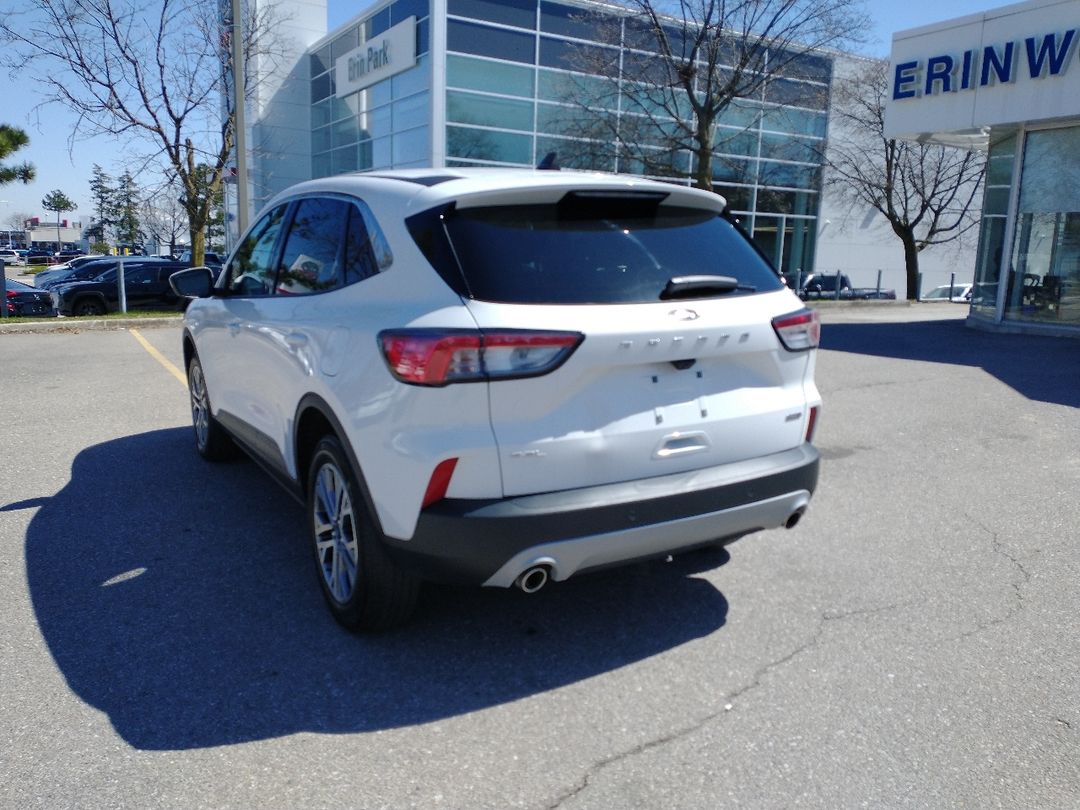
point(239, 103)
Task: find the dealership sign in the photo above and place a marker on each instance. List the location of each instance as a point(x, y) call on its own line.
point(954, 81)
point(382, 56)
point(1034, 57)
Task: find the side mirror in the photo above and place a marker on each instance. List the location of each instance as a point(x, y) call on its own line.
point(195, 282)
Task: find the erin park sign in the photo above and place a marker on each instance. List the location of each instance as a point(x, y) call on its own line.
point(382, 56)
point(1012, 66)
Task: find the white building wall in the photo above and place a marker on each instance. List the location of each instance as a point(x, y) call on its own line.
point(280, 141)
point(856, 239)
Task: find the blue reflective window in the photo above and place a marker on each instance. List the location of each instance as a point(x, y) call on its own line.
point(485, 41)
point(320, 61)
point(557, 86)
point(519, 13)
point(321, 87)
point(558, 53)
point(412, 146)
point(572, 154)
point(377, 24)
point(787, 174)
point(569, 21)
point(411, 81)
point(321, 113)
point(343, 160)
point(799, 94)
point(381, 153)
point(411, 112)
point(376, 123)
point(320, 166)
point(344, 132)
point(470, 108)
point(493, 77)
point(484, 144)
point(348, 41)
point(403, 9)
point(736, 142)
point(800, 122)
point(320, 139)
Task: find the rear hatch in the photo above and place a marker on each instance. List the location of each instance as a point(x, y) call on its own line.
point(679, 367)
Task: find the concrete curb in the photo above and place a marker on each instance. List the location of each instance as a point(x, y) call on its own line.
point(73, 325)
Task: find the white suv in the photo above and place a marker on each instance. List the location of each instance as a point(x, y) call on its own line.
point(503, 377)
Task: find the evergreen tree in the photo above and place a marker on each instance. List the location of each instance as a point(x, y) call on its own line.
point(103, 194)
point(59, 202)
point(127, 202)
point(12, 139)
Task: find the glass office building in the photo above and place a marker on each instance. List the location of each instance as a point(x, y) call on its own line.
point(418, 83)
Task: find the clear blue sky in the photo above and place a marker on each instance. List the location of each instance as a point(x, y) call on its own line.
point(56, 168)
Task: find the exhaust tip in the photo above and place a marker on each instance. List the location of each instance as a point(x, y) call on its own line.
point(794, 518)
point(532, 579)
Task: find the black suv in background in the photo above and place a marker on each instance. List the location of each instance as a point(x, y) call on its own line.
point(83, 268)
point(146, 286)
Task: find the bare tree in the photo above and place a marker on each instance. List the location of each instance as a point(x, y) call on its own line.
point(668, 78)
point(928, 193)
point(163, 216)
point(154, 71)
point(17, 220)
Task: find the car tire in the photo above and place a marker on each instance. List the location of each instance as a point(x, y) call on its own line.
point(211, 440)
point(364, 588)
point(88, 306)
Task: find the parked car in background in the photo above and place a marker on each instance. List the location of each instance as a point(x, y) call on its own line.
point(209, 259)
point(38, 256)
point(11, 257)
point(85, 268)
point(503, 378)
point(816, 286)
point(958, 293)
point(24, 300)
point(146, 286)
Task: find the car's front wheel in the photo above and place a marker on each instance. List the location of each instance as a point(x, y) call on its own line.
point(88, 306)
point(363, 587)
point(211, 440)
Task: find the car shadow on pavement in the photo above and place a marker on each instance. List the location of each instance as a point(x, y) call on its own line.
point(178, 597)
point(1039, 367)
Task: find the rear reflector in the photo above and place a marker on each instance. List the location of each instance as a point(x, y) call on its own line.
point(799, 331)
point(444, 356)
point(440, 482)
point(811, 423)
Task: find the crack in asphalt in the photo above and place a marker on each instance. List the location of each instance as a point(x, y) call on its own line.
point(815, 638)
point(584, 783)
point(998, 547)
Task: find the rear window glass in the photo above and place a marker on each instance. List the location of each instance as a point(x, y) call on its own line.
point(605, 251)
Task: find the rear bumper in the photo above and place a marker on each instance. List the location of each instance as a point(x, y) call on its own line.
point(491, 542)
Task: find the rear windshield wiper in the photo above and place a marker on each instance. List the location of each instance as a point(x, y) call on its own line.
point(701, 286)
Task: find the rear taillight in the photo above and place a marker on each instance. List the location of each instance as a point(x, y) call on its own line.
point(798, 331)
point(444, 356)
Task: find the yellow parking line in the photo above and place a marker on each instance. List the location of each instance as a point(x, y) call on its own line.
point(160, 357)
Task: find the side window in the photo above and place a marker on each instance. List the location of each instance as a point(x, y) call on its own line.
point(310, 262)
point(251, 270)
point(134, 274)
point(366, 250)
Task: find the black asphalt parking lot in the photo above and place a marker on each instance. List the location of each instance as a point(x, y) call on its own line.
point(912, 643)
